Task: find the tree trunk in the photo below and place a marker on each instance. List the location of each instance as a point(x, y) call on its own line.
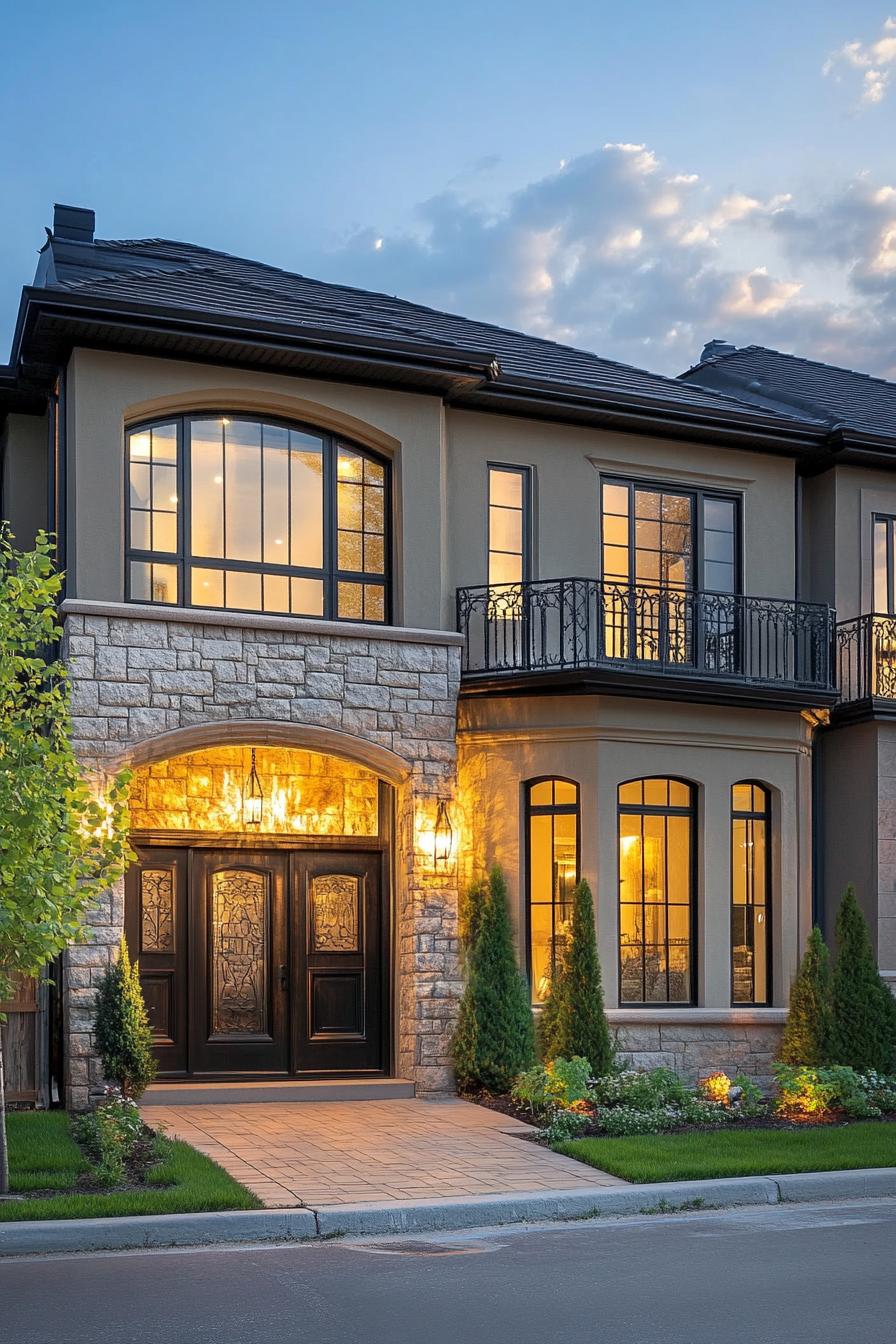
point(4, 1154)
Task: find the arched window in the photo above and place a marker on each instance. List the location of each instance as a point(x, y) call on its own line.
point(656, 891)
point(257, 515)
point(552, 829)
point(750, 894)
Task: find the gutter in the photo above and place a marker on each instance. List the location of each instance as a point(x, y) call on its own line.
point(475, 365)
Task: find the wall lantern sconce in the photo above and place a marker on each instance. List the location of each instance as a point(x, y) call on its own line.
point(443, 838)
point(253, 797)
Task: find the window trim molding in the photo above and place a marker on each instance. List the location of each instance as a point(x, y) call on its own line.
point(329, 575)
point(698, 494)
point(649, 809)
point(543, 809)
point(767, 817)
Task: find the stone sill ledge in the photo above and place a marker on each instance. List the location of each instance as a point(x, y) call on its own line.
point(297, 625)
point(697, 1017)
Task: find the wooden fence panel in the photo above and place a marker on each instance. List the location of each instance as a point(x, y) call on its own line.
point(21, 1042)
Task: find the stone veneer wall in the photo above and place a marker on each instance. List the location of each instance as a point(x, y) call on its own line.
point(142, 672)
point(696, 1049)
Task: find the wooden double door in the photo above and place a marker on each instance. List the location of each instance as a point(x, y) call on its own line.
point(259, 962)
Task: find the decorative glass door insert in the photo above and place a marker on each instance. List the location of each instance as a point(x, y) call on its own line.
point(239, 952)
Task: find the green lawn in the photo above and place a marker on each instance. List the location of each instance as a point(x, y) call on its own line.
point(43, 1155)
point(739, 1152)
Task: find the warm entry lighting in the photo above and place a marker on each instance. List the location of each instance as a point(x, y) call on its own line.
point(253, 797)
point(443, 838)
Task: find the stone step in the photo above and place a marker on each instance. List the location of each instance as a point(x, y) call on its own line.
point(192, 1093)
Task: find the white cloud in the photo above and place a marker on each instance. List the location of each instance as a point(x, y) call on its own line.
point(870, 58)
point(593, 255)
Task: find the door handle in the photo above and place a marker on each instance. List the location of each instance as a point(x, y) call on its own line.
point(284, 977)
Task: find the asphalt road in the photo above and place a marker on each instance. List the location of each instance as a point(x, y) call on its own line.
point(819, 1273)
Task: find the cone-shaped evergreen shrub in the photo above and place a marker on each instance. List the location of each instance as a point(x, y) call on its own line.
point(863, 1030)
point(573, 1021)
point(123, 1035)
point(806, 1038)
point(494, 1039)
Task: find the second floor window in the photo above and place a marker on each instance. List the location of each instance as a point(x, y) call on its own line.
point(508, 524)
point(884, 552)
point(660, 536)
point(257, 515)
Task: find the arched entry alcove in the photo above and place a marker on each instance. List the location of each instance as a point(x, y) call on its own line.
point(260, 904)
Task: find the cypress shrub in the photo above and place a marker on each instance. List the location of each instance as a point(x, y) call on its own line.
point(573, 1021)
point(123, 1035)
point(494, 1040)
point(863, 1032)
point(806, 1039)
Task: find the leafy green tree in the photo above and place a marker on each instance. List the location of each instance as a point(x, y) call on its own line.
point(806, 1039)
point(863, 1033)
point(60, 847)
point(494, 1039)
point(123, 1034)
point(573, 1021)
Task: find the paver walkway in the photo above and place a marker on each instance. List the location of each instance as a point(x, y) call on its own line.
point(347, 1152)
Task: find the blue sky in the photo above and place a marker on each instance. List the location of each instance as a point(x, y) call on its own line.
point(634, 178)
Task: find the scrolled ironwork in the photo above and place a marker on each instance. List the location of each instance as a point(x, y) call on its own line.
point(866, 658)
point(576, 623)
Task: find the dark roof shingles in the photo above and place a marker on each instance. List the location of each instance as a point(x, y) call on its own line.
point(856, 400)
point(198, 279)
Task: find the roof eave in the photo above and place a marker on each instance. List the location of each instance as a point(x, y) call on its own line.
point(448, 366)
point(635, 412)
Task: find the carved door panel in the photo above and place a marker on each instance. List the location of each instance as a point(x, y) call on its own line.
point(239, 973)
point(338, 948)
point(156, 933)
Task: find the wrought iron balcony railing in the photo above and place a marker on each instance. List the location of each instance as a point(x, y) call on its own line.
point(866, 658)
point(569, 625)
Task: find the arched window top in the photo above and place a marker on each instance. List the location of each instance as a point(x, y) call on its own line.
point(656, 791)
point(749, 798)
point(552, 791)
point(257, 514)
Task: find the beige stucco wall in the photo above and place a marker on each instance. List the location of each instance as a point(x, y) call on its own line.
point(601, 741)
point(440, 479)
point(23, 486)
point(858, 783)
point(105, 391)
point(839, 506)
point(568, 462)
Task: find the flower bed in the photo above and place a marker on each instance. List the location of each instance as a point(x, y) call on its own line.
point(564, 1102)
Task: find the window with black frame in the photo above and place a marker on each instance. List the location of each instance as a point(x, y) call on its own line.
point(257, 515)
point(552, 824)
point(750, 894)
point(656, 892)
point(669, 563)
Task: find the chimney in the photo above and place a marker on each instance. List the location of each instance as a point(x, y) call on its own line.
point(73, 223)
point(713, 349)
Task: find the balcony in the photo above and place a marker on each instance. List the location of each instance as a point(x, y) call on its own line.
point(590, 635)
point(866, 664)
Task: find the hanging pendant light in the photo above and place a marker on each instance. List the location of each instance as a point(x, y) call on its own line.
point(253, 797)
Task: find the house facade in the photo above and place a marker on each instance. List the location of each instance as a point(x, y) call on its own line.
point(370, 598)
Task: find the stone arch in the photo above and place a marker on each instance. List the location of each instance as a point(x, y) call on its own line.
point(266, 732)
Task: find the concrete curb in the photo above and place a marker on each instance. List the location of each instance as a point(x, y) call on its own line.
point(161, 1229)
point(441, 1215)
point(449, 1215)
